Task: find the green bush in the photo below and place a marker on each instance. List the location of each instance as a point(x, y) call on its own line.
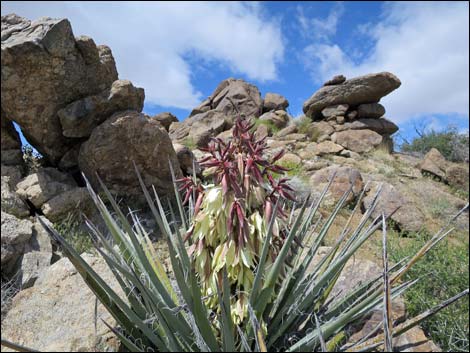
point(452, 144)
point(443, 272)
point(268, 123)
point(71, 228)
point(304, 126)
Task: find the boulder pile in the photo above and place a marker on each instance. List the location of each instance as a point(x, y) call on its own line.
point(348, 112)
point(83, 118)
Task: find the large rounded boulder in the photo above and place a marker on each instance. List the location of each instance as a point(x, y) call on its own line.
point(127, 138)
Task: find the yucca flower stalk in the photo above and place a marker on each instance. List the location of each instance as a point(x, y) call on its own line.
point(287, 303)
point(231, 215)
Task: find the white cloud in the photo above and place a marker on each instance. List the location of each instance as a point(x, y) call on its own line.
point(424, 44)
point(150, 40)
point(320, 28)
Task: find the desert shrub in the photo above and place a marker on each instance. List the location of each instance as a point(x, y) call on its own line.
point(443, 272)
point(304, 126)
point(33, 160)
point(242, 279)
point(452, 144)
point(268, 123)
point(73, 230)
point(190, 143)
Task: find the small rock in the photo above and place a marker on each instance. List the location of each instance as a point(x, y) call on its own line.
point(290, 160)
point(340, 119)
point(291, 129)
point(274, 101)
point(327, 147)
point(186, 159)
point(165, 119)
point(370, 110)
point(324, 138)
point(279, 118)
point(336, 80)
point(434, 163)
point(352, 115)
point(335, 110)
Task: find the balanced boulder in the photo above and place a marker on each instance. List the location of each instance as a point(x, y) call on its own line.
point(359, 90)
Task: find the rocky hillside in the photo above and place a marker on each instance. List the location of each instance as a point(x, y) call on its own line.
point(65, 94)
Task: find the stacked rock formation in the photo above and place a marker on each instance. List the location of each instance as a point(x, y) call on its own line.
point(348, 112)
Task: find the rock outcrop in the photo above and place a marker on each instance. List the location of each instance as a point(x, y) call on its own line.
point(44, 53)
point(348, 113)
point(26, 250)
point(274, 101)
point(354, 92)
point(391, 202)
point(127, 138)
point(60, 299)
point(345, 178)
point(435, 164)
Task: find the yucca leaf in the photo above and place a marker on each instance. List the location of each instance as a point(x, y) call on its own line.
point(123, 314)
point(410, 323)
point(387, 306)
point(228, 328)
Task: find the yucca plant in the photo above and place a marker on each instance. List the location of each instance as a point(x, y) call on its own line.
point(243, 272)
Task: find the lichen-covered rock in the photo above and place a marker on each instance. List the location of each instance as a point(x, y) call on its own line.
point(79, 118)
point(43, 185)
point(57, 313)
point(274, 101)
point(44, 68)
point(408, 217)
point(359, 141)
point(363, 89)
point(127, 138)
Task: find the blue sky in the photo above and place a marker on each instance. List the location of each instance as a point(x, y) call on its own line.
point(179, 52)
